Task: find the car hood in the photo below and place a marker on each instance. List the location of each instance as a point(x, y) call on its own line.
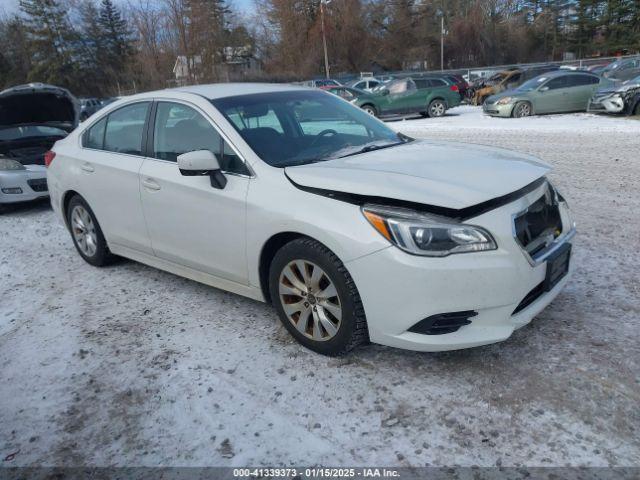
point(507, 93)
point(38, 104)
point(443, 174)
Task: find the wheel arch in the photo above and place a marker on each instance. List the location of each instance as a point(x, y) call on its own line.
point(66, 198)
point(370, 104)
point(268, 251)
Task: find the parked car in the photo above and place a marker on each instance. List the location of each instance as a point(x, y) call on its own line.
point(507, 80)
point(366, 84)
point(617, 98)
point(21, 183)
point(554, 92)
point(451, 79)
point(89, 106)
point(623, 69)
point(427, 96)
point(32, 118)
point(321, 83)
point(352, 231)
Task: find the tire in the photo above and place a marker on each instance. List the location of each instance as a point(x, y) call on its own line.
point(637, 109)
point(370, 109)
point(348, 328)
point(83, 223)
point(436, 108)
point(521, 109)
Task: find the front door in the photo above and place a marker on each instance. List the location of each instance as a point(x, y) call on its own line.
point(190, 222)
point(553, 96)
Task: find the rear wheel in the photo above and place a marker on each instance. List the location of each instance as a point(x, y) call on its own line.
point(437, 108)
point(370, 109)
point(86, 233)
point(316, 298)
point(521, 109)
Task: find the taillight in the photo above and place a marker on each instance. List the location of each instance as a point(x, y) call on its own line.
point(48, 157)
point(454, 88)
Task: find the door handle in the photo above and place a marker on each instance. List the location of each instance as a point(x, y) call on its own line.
point(87, 167)
point(150, 184)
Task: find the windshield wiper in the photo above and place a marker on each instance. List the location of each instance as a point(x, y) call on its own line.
point(370, 147)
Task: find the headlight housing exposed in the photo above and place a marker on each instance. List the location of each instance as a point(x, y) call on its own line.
point(428, 235)
point(10, 164)
point(505, 101)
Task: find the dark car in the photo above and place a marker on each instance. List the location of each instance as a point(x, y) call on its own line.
point(89, 106)
point(32, 118)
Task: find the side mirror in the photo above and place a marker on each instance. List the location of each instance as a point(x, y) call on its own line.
point(544, 89)
point(202, 162)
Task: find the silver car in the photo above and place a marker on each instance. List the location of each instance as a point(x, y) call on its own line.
point(21, 183)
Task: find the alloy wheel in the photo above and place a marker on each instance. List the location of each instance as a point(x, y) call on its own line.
point(369, 110)
point(310, 300)
point(437, 109)
point(84, 231)
point(523, 110)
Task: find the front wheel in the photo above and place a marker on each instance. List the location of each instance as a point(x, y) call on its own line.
point(316, 298)
point(437, 108)
point(522, 109)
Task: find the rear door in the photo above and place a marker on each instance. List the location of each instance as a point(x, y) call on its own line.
point(582, 87)
point(109, 167)
point(190, 222)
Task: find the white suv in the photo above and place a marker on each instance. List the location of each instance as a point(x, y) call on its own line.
point(293, 196)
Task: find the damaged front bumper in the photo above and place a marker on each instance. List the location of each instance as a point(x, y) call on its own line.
point(619, 101)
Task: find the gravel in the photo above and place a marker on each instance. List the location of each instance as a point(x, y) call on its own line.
point(128, 365)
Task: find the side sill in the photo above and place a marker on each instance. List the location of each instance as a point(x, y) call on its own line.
point(186, 272)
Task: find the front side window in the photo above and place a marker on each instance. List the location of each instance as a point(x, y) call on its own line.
point(299, 127)
point(556, 83)
point(124, 129)
point(180, 129)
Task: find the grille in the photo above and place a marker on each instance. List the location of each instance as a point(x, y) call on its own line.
point(38, 184)
point(540, 224)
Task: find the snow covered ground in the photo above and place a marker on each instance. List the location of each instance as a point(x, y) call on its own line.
point(128, 365)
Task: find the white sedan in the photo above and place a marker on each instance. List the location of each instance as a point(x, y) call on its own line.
point(295, 197)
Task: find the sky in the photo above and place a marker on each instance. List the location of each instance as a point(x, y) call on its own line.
point(11, 6)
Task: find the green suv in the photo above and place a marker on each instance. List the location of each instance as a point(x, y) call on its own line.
point(430, 97)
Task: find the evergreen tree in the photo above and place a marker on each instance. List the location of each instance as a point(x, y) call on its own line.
point(52, 42)
point(115, 41)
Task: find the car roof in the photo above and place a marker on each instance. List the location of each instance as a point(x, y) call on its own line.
point(559, 73)
point(221, 90)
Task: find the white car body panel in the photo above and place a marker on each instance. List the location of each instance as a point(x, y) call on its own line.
point(217, 236)
point(433, 173)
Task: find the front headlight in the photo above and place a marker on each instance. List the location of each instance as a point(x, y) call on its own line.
point(9, 164)
point(429, 235)
point(504, 101)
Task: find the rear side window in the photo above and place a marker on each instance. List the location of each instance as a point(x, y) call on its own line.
point(124, 129)
point(436, 82)
point(94, 137)
point(582, 80)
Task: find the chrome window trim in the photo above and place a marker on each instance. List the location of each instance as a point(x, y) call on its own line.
point(216, 128)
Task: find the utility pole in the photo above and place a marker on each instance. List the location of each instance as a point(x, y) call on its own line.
point(442, 43)
point(324, 40)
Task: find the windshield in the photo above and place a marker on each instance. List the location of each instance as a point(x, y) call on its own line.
point(532, 84)
point(299, 127)
point(30, 131)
